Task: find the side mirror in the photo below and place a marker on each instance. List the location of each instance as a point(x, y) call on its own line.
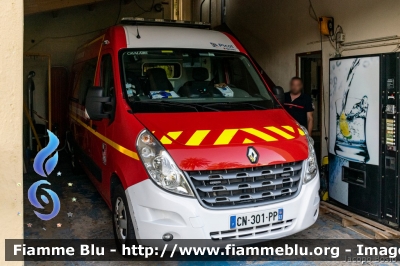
point(97, 106)
point(279, 94)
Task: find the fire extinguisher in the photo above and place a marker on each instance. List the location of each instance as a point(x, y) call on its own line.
point(324, 175)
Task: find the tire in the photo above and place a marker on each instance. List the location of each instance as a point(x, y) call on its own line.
point(124, 233)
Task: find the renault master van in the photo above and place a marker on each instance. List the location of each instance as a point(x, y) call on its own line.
point(184, 139)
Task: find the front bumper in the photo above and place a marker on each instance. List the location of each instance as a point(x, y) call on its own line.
point(156, 212)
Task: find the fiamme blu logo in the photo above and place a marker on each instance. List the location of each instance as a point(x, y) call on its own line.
point(43, 165)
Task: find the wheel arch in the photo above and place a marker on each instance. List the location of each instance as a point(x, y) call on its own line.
point(114, 182)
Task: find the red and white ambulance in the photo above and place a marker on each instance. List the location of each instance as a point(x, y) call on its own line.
point(184, 139)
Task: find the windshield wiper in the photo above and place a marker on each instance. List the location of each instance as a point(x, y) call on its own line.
point(255, 106)
point(163, 102)
point(174, 103)
point(205, 106)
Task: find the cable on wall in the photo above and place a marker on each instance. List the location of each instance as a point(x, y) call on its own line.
point(78, 34)
point(119, 12)
point(63, 37)
point(323, 98)
point(314, 16)
point(311, 11)
point(143, 9)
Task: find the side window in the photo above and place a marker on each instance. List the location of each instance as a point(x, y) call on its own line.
point(107, 75)
point(86, 79)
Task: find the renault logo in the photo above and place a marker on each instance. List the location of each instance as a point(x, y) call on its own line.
point(252, 154)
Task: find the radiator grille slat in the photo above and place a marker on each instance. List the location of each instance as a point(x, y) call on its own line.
point(237, 173)
point(255, 184)
point(254, 196)
point(235, 188)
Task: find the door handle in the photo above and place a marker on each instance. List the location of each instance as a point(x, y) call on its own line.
point(94, 127)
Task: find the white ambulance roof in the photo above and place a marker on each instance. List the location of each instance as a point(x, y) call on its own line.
point(177, 37)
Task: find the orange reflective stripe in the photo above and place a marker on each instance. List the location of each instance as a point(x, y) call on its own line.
point(197, 137)
point(288, 128)
point(259, 134)
point(226, 137)
point(165, 140)
point(116, 146)
point(174, 135)
point(247, 141)
point(280, 132)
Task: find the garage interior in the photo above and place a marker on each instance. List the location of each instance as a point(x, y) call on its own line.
point(283, 37)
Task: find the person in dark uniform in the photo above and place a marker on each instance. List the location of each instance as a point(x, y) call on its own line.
point(299, 105)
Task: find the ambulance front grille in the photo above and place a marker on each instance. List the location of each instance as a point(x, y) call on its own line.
point(239, 188)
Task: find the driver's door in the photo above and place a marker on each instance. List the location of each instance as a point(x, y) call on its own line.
point(99, 147)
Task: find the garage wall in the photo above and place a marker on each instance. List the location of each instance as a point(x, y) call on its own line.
point(59, 33)
point(205, 11)
point(47, 34)
point(274, 31)
point(11, 13)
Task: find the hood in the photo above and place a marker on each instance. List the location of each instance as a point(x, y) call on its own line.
point(226, 140)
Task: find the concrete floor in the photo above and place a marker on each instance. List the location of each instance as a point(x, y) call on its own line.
point(91, 217)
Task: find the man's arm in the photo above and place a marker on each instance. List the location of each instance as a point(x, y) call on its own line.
point(310, 122)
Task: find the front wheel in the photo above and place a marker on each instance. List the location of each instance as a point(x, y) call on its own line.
point(124, 233)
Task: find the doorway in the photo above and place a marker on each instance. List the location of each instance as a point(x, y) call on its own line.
point(309, 69)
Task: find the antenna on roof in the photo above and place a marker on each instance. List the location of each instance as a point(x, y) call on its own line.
point(164, 22)
point(137, 30)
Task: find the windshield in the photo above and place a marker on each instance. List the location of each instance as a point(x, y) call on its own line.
point(184, 80)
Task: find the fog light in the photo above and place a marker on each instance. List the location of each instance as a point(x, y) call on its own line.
point(167, 237)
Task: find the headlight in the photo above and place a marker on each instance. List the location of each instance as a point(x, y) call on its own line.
point(311, 168)
point(160, 166)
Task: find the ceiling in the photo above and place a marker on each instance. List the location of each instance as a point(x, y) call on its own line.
point(38, 6)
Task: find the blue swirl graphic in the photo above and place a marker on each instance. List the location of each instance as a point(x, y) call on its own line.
point(34, 201)
point(44, 153)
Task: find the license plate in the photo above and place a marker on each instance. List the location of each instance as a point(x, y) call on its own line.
point(256, 218)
